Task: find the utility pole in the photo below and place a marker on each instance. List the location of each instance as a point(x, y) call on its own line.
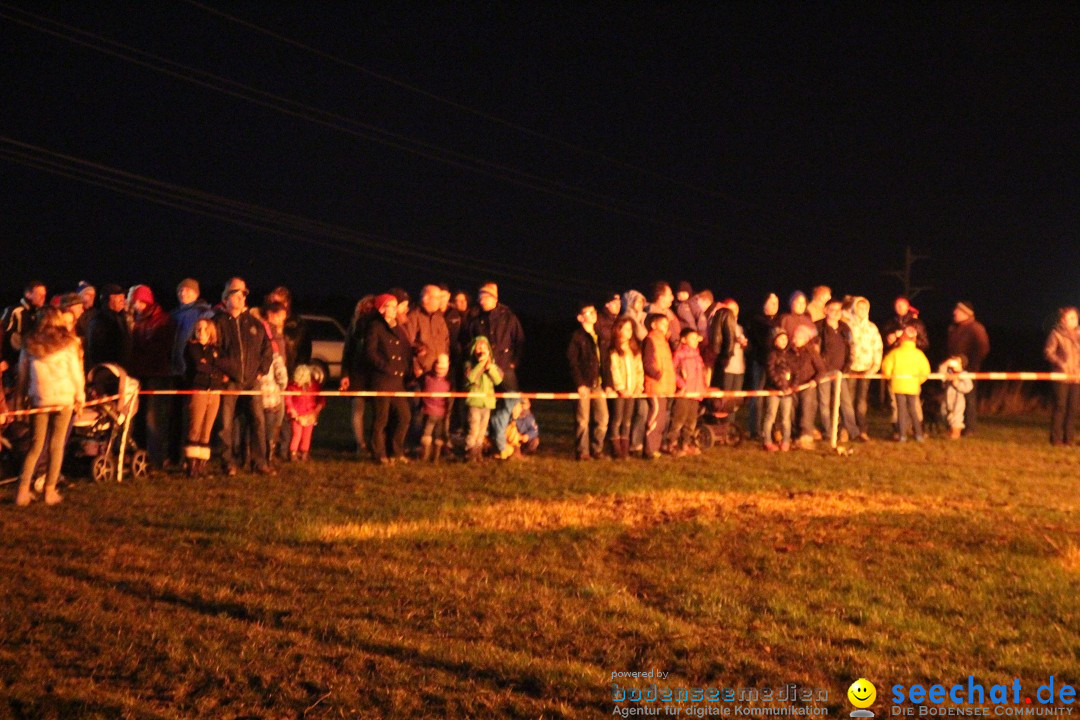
point(910, 258)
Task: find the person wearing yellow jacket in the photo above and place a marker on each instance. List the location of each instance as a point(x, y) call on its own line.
point(906, 369)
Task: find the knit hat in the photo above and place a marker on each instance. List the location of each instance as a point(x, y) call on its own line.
point(191, 283)
point(795, 295)
point(382, 300)
point(399, 294)
point(111, 289)
point(966, 306)
point(490, 289)
point(83, 285)
point(70, 300)
point(141, 293)
point(685, 287)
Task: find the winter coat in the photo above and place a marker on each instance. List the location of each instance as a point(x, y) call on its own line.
point(184, 317)
point(789, 322)
point(503, 330)
point(387, 357)
point(204, 368)
point(244, 347)
point(674, 326)
point(605, 324)
point(308, 404)
point(906, 368)
point(806, 364)
point(1062, 350)
point(297, 350)
point(969, 338)
point(435, 407)
point(658, 364)
point(723, 330)
point(17, 322)
point(779, 374)
point(629, 300)
point(762, 329)
point(898, 324)
point(108, 339)
point(583, 354)
point(353, 361)
point(866, 346)
point(152, 340)
point(54, 377)
point(689, 369)
point(481, 378)
point(835, 346)
point(627, 373)
point(429, 337)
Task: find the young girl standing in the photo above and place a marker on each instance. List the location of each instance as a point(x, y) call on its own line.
point(204, 372)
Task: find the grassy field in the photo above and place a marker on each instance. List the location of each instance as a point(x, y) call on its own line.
point(342, 589)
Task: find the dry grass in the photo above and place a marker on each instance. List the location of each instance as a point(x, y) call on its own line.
point(344, 590)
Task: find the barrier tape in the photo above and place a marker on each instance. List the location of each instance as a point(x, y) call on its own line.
point(5, 416)
point(712, 393)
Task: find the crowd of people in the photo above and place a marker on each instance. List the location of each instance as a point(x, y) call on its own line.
point(638, 364)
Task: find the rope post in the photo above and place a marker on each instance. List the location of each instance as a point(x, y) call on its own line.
point(836, 409)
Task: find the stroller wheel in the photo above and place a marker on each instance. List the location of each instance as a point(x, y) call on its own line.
point(734, 436)
point(705, 437)
point(138, 464)
point(104, 468)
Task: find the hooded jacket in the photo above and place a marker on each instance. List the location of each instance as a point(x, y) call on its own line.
point(152, 340)
point(906, 367)
point(629, 300)
point(481, 378)
point(52, 372)
point(866, 345)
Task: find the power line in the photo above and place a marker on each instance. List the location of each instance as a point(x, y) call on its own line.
point(354, 127)
point(253, 216)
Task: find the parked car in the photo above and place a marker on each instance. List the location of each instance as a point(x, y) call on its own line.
point(327, 343)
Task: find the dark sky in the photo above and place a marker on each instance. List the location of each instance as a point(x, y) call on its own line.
point(746, 147)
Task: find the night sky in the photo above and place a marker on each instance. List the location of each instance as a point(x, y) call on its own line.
point(558, 148)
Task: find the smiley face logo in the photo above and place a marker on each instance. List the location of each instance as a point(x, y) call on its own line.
point(862, 693)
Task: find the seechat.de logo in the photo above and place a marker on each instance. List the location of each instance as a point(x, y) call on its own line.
point(862, 695)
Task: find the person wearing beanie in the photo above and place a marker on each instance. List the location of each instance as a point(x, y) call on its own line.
point(108, 334)
point(968, 337)
point(245, 353)
point(501, 327)
point(797, 316)
point(152, 338)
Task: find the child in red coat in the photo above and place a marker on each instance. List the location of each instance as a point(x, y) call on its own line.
point(303, 410)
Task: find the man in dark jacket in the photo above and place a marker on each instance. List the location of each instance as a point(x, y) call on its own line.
point(806, 365)
point(583, 355)
point(152, 338)
point(108, 336)
point(502, 328)
point(968, 337)
point(354, 368)
point(245, 352)
point(17, 322)
point(387, 356)
point(834, 336)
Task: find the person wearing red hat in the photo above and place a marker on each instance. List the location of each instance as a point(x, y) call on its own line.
point(152, 337)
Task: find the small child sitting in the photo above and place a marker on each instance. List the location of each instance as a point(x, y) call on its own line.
point(526, 426)
point(435, 410)
point(956, 390)
point(303, 409)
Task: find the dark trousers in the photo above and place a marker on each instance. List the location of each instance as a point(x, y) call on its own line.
point(402, 416)
point(623, 417)
point(807, 410)
point(908, 415)
point(859, 389)
point(971, 409)
point(684, 413)
point(251, 407)
point(755, 418)
point(154, 420)
point(1063, 417)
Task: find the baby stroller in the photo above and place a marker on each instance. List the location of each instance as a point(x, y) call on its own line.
point(101, 433)
point(716, 424)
